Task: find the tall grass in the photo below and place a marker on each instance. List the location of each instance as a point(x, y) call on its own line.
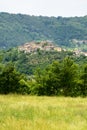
point(42, 113)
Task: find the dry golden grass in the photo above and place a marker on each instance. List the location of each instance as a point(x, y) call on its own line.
point(42, 113)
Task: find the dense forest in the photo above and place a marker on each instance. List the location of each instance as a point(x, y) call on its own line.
point(16, 29)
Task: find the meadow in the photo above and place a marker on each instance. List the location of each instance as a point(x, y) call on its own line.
point(19, 112)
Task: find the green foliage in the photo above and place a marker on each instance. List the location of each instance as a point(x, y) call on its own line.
point(69, 75)
point(84, 81)
point(28, 62)
point(55, 75)
point(52, 79)
point(60, 79)
point(16, 29)
point(57, 79)
point(37, 83)
point(24, 87)
point(11, 81)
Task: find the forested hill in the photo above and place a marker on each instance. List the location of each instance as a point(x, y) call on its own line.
point(17, 29)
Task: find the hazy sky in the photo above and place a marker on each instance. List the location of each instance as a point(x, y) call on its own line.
point(65, 8)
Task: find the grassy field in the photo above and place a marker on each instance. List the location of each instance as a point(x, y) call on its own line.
point(42, 113)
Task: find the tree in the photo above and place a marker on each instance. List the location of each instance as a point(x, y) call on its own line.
point(69, 77)
point(84, 81)
point(12, 81)
point(9, 79)
point(52, 79)
point(47, 82)
point(38, 83)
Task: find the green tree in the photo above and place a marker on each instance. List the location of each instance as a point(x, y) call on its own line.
point(11, 81)
point(69, 77)
point(47, 82)
point(38, 83)
point(52, 79)
point(84, 82)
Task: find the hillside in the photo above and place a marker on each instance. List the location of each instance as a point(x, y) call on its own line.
point(26, 60)
point(17, 29)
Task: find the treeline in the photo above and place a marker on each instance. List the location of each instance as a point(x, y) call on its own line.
point(64, 78)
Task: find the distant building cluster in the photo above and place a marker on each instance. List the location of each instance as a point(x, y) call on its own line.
point(79, 52)
point(79, 41)
point(43, 45)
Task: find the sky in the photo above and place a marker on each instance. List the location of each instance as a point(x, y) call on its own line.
point(64, 8)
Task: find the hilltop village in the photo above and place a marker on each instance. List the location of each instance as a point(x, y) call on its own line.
point(35, 46)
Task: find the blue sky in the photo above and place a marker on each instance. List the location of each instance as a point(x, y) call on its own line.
point(65, 8)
